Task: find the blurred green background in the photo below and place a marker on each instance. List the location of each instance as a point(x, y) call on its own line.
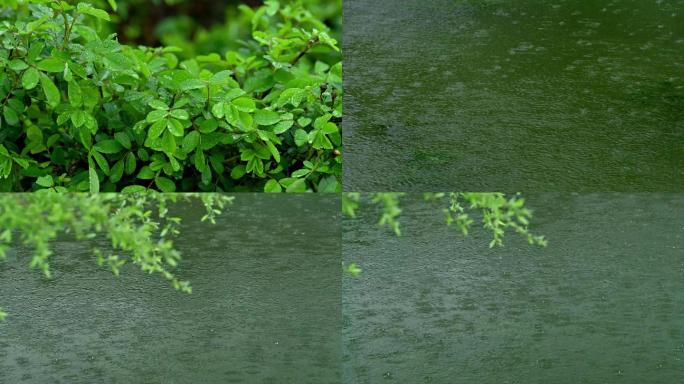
point(200, 26)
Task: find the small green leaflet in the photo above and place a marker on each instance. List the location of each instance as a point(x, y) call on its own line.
point(266, 117)
point(190, 141)
point(30, 78)
point(89, 10)
point(108, 146)
point(164, 184)
point(51, 64)
point(272, 186)
point(45, 181)
point(10, 115)
point(116, 172)
point(50, 90)
point(133, 189)
point(93, 180)
point(74, 93)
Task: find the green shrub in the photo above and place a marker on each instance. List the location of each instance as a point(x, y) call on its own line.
point(82, 112)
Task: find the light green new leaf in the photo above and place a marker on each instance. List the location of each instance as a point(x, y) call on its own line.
point(272, 6)
point(272, 186)
point(133, 189)
point(320, 122)
point(89, 10)
point(45, 181)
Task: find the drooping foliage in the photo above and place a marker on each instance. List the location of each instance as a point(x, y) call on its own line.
point(498, 214)
point(138, 227)
point(82, 112)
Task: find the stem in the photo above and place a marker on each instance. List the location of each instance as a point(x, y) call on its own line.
point(313, 41)
point(71, 26)
point(208, 97)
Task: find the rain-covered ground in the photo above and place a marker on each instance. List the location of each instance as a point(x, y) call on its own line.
point(603, 303)
point(265, 306)
point(548, 95)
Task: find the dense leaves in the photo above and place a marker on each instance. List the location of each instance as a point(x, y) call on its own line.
point(81, 112)
point(138, 227)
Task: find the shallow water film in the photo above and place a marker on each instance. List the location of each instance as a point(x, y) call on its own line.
point(548, 95)
point(602, 303)
point(265, 306)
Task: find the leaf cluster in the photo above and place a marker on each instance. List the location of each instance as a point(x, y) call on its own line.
point(499, 213)
point(138, 227)
point(82, 112)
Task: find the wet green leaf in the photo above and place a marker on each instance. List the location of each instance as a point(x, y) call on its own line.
point(45, 181)
point(50, 90)
point(123, 139)
point(51, 64)
point(272, 186)
point(89, 10)
point(10, 115)
point(30, 78)
point(266, 117)
point(74, 93)
point(93, 180)
point(117, 172)
point(164, 184)
point(168, 142)
point(108, 146)
point(191, 141)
